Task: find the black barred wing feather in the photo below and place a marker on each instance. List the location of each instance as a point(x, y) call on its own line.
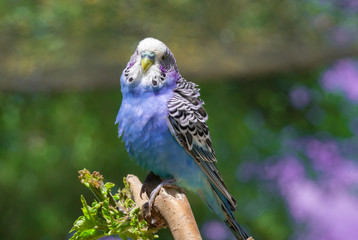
point(187, 122)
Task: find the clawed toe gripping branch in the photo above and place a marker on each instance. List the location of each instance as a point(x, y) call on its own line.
point(152, 186)
point(124, 214)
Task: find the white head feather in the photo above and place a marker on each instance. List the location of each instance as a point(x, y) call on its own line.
point(152, 45)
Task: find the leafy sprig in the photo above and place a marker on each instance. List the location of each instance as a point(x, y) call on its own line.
point(109, 214)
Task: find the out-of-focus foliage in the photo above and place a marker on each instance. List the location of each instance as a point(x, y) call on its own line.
point(111, 214)
point(286, 143)
point(56, 45)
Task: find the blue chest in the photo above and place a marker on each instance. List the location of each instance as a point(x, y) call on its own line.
point(142, 123)
point(143, 126)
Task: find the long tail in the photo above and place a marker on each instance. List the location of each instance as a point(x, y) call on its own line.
point(234, 226)
point(221, 206)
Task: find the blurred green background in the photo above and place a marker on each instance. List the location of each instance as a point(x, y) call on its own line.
point(269, 72)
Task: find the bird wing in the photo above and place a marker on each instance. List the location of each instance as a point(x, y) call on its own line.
point(187, 123)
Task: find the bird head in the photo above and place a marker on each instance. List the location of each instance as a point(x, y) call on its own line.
point(151, 50)
point(149, 66)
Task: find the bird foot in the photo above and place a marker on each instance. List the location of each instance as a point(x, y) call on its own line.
point(148, 206)
point(150, 182)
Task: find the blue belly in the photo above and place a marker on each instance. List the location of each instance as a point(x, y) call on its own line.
point(143, 126)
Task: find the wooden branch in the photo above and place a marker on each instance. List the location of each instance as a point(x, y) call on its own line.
point(171, 208)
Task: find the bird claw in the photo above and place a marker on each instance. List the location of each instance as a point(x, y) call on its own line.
point(150, 182)
point(152, 186)
point(147, 207)
point(146, 210)
point(143, 189)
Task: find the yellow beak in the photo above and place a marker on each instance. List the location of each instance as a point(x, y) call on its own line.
point(146, 62)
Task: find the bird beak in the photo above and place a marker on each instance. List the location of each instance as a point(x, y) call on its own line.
point(147, 60)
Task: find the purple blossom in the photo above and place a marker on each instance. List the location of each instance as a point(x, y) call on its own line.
point(300, 97)
point(348, 5)
point(247, 170)
point(215, 230)
point(328, 215)
point(324, 155)
point(342, 36)
point(327, 205)
point(342, 76)
point(285, 171)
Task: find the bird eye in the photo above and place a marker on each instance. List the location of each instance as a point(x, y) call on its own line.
point(163, 57)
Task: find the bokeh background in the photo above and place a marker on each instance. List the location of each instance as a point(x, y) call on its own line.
point(280, 83)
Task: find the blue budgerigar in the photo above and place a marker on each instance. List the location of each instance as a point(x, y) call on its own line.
point(163, 125)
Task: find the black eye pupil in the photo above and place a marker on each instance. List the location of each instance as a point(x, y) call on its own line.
point(163, 58)
point(130, 79)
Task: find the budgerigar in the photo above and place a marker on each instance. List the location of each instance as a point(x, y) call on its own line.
point(163, 125)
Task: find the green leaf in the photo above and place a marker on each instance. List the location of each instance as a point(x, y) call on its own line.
point(105, 210)
point(109, 185)
point(111, 214)
point(90, 234)
point(86, 211)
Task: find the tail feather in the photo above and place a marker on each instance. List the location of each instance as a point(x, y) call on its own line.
point(236, 229)
point(230, 220)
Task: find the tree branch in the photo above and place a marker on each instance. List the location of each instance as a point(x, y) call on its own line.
point(125, 213)
point(173, 208)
